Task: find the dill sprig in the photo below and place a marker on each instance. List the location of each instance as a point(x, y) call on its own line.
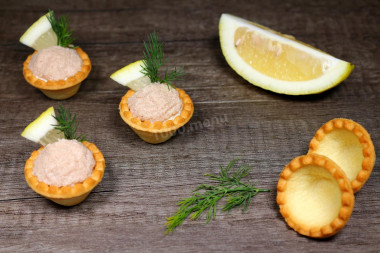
point(228, 185)
point(68, 125)
point(61, 29)
point(154, 59)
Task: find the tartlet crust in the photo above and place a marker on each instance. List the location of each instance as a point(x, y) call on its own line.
point(60, 89)
point(66, 195)
point(158, 131)
point(347, 196)
point(364, 138)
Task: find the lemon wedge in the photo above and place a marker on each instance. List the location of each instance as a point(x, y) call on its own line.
point(42, 130)
point(278, 62)
point(131, 76)
point(40, 35)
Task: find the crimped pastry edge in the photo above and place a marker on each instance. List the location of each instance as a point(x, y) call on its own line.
point(364, 138)
point(60, 84)
point(158, 126)
point(348, 198)
point(66, 192)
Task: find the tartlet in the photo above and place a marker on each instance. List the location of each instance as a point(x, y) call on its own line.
point(314, 195)
point(67, 195)
point(349, 145)
point(156, 132)
point(61, 89)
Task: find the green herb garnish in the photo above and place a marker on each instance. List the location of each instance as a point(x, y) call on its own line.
point(238, 194)
point(68, 125)
point(61, 29)
point(153, 60)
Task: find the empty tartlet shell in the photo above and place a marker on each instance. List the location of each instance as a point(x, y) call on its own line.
point(61, 89)
point(347, 198)
point(365, 140)
point(66, 195)
point(158, 131)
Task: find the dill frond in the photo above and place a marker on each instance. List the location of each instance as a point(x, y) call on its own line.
point(61, 29)
point(154, 59)
point(228, 185)
point(68, 125)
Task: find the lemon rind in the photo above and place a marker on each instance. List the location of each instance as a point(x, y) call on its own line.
point(227, 26)
point(128, 73)
point(63, 195)
point(31, 35)
point(347, 198)
point(365, 140)
point(33, 130)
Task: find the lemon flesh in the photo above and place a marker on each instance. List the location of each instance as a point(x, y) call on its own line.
point(277, 62)
point(40, 35)
point(42, 130)
point(131, 76)
point(313, 196)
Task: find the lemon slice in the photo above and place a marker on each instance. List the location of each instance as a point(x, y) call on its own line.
point(42, 130)
point(278, 62)
point(131, 76)
point(40, 35)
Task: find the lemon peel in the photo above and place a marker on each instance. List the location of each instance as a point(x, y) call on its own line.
point(42, 129)
point(278, 62)
point(131, 76)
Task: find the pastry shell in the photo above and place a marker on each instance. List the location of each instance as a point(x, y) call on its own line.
point(61, 89)
point(158, 131)
point(66, 195)
point(345, 138)
point(299, 196)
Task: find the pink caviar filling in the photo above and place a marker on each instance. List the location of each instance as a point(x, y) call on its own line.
point(55, 63)
point(64, 163)
point(156, 102)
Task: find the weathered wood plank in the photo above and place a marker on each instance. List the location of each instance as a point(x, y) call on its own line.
point(232, 118)
point(209, 77)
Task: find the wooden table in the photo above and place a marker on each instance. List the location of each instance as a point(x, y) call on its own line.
point(233, 118)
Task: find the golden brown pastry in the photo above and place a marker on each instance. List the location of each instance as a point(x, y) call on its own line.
point(314, 195)
point(66, 195)
point(349, 145)
point(156, 132)
point(60, 89)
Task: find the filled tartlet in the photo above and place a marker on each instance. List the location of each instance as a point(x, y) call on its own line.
point(156, 129)
point(153, 107)
point(57, 68)
point(349, 145)
point(314, 195)
point(64, 170)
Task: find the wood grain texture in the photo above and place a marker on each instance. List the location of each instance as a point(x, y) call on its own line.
point(143, 182)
